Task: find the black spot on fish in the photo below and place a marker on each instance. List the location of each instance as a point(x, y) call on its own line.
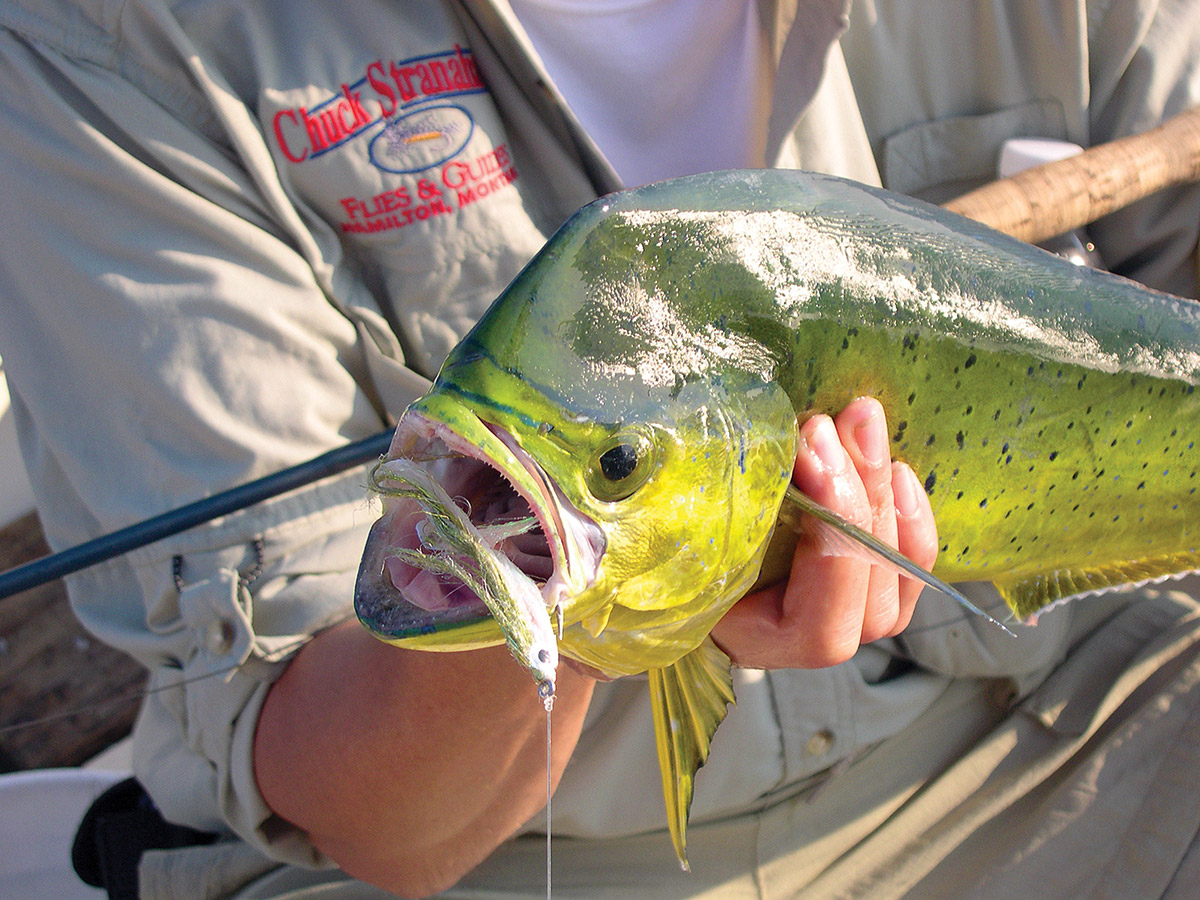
point(1053, 455)
point(970, 361)
point(930, 480)
point(911, 398)
point(929, 441)
point(959, 437)
point(900, 428)
point(983, 503)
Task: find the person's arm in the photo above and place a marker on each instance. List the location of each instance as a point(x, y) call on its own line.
point(406, 767)
point(409, 767)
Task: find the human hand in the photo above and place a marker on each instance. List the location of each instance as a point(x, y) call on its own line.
point(830, 605)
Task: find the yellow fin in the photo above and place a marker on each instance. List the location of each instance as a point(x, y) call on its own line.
point(597, 621)
point(1028, 596)
point(689, 699)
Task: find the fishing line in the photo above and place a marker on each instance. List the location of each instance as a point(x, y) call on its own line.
point(549, 704)
point(142, 693)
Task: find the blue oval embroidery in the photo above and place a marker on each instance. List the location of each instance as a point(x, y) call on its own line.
point(422, 139)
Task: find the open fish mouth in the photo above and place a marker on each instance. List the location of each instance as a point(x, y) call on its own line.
point(514, 510)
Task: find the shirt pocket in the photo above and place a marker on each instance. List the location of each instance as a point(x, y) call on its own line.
point(941, 159)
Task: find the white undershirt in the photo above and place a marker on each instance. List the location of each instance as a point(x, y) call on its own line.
point(664, 87)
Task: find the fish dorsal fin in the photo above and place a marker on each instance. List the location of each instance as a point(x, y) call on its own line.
point(839, 537)
point(1029, 596)
point(689, 699)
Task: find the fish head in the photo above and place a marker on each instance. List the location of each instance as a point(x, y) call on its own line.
point(647, 437)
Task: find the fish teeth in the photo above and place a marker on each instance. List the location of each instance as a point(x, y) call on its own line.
point(452, 545)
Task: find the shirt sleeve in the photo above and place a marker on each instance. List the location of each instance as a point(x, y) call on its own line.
point(165, 339)
point(1145, 68)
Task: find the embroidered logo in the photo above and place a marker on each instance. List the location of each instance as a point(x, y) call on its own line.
point(421, 140)
point(458, 184)
point(385, 89)
point(404, 113)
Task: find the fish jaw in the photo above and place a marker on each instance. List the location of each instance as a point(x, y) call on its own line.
point(484, 469)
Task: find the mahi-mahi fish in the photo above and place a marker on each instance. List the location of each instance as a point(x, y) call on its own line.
point(618, 430)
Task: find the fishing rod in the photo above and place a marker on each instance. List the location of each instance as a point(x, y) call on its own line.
point(107, 546)
point(1033, 205)
point(1057, 197)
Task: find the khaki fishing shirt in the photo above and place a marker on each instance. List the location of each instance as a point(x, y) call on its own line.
point(238, 234)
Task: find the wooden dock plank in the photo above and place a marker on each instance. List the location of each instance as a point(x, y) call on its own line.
point(64, 695)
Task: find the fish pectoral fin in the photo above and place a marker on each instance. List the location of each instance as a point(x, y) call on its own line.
point(689, 699)
point(1027, 597)
point(838, 537)
point(597, 621)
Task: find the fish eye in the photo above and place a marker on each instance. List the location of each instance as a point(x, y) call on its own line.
point(619, 462)
point(621, 465)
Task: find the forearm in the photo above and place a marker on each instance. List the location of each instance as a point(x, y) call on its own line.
point(408, 768)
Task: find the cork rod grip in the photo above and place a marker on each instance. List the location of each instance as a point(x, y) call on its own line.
point(1057, 197)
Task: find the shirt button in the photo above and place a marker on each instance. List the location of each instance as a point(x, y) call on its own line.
point(820, 743)
point(219, 637)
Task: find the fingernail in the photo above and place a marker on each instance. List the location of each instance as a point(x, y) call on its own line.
point(872, 440)
point(905, 491)
point(824, 441)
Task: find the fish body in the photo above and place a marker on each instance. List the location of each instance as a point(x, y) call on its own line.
point(637, 390)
